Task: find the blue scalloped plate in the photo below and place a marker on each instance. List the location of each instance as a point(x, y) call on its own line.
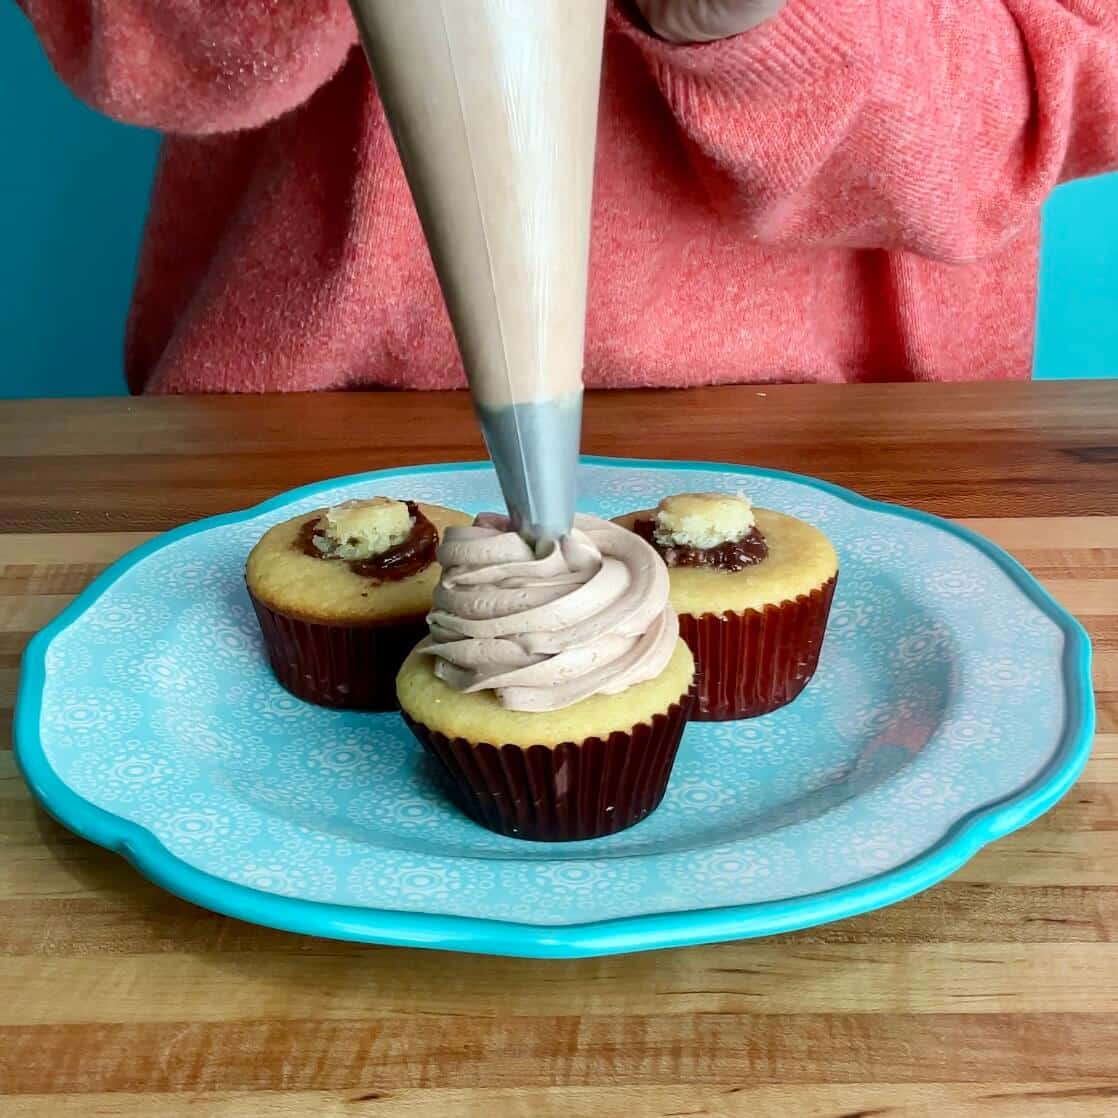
point(952, 705)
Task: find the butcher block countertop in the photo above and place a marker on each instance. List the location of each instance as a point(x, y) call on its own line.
point(994, 993)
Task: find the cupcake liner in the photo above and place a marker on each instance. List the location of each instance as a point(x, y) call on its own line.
point(565, 792)
point(751, 663)
point(351, 667)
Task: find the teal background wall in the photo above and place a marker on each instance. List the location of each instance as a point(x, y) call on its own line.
point(73, 193)
point(1077, 317)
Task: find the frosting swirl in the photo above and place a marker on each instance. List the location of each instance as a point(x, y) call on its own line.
point(589, 615)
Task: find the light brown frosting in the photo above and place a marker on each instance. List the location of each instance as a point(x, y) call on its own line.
point(590, 615)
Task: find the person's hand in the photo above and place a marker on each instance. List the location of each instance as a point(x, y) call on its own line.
point(703, 21)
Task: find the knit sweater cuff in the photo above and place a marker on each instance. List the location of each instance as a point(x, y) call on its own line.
point(806, 37)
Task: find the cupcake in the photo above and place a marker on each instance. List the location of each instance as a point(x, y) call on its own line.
point(752, 588)
point(342, 594)
point(553, 688)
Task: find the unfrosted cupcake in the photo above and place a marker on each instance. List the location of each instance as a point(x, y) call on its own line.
point(342, 595)
point(553, 689)
point(753, 590)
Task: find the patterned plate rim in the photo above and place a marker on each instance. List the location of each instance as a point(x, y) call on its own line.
point(147, 854)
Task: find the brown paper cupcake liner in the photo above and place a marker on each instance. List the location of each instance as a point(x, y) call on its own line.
point(351, 667)
point(754, 662)
point(565, 792)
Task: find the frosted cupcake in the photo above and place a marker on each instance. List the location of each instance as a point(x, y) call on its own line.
point(753, 590)
point(553, 689)
point(342, 595)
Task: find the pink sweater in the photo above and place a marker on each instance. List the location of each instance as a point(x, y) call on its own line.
point(851, 192)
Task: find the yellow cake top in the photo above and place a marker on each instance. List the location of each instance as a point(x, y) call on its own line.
point(478, 716)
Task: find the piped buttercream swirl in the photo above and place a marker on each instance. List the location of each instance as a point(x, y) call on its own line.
point(589, 615)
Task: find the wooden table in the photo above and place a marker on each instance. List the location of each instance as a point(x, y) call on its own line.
point(995, 993)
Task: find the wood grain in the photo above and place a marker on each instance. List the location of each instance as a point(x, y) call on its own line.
point(1083, 1099)
point(992, 994)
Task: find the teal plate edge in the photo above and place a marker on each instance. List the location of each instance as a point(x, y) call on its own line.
point(608, 937)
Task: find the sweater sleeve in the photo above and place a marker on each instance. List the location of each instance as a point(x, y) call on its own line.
point(934, 126)
point(193, 66)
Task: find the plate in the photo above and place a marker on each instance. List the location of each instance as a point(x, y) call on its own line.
point(952, 705)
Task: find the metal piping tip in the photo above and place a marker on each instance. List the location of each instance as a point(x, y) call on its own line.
point(534, 448)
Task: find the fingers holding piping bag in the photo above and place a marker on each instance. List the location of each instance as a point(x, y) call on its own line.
point(704, 21)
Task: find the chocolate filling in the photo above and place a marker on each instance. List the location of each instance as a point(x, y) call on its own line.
point(734, 555)
point(407, 558)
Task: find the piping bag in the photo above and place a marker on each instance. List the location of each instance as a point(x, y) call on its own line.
point(494, 108)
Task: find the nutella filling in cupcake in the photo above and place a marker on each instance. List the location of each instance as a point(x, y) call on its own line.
point(704, 530)
point(379, 539)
